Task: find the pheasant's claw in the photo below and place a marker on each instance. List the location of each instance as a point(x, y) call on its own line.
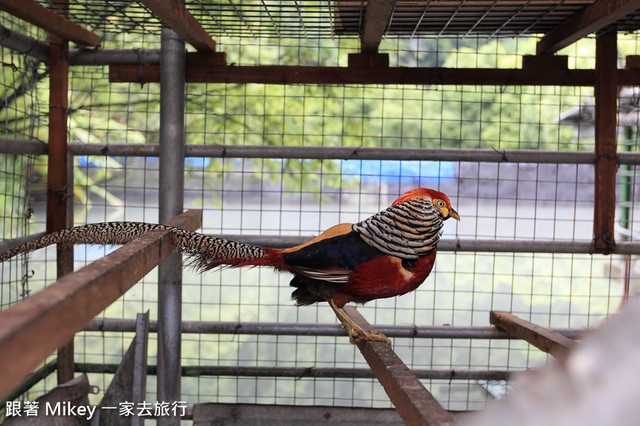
point(357, 333)
point(355, 336)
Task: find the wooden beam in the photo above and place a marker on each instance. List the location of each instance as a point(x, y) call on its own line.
point(60, 174)
point(282, 74)
point(413, 401)
point(542, 338)
point(47, 19)
point(376, 19)
point(174, 15)
point(215, 413)
point(33, 328)
point(590, 20)
point(606, 129)
point(557, 62)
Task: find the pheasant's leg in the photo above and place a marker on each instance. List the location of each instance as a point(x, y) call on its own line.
point(357, 333)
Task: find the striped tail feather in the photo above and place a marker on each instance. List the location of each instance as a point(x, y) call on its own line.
point(205, 251)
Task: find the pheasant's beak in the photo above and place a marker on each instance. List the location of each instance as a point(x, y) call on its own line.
point(454, 214)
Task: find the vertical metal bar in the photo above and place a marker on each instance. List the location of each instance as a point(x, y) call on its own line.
point(606, 98)
point(59, 203)
point(172, 99)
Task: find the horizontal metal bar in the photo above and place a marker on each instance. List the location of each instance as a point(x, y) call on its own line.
point(353, 153)
point(315, 329)
point(6, 245)
point(15, 146)
point(461, 244)
point(300, 372)
point(24, 44)
point(630, 158)
point(22, 146)
point(34, 327)
point(113, 56)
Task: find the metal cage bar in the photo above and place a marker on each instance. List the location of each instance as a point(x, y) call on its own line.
point(171, 202)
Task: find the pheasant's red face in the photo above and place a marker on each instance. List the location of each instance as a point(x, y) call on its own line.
point(439, 200)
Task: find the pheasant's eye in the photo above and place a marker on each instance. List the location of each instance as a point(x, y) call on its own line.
point(440, 203)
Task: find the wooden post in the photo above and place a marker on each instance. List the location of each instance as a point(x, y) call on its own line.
point(606, 99)
point(59, 201)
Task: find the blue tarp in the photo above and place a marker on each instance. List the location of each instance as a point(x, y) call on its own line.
point(387, 171)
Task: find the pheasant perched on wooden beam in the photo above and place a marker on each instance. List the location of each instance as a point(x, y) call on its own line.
point(389, 254)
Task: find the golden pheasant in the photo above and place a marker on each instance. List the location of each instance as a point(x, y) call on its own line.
point(389, 254)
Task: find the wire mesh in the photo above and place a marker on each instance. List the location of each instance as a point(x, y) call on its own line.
point(304, 197)
point(312, 19)
point(20, 113)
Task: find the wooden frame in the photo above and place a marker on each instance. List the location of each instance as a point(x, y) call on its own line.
point(590, 20)
point(542, 338)
point(51, 21)
point(197, 72)
point(376, 19)
point(606, 128)
point(174, 15)
point(33, 328)
point(414, 403)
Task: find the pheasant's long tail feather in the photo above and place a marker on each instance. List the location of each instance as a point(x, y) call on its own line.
point(94, 233)
point(206, 251)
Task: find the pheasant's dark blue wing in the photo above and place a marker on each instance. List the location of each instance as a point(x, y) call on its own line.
point(331, 256)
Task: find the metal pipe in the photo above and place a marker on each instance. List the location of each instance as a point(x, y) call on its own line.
point(171, 204)
point(15, 146)
point(23, 146)
point(460, 244)
point(300, 372)
point(315, 329)
point(114, 56)
point(445, 245)
point(355, 153)
point(24, 44)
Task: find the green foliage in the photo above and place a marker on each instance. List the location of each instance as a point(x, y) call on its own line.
point(13, 203)
point(313, 115)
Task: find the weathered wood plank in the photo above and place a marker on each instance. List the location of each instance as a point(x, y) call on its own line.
point(376, 19)
point(590, 20)
point(606, 128)
point(174, 15)
point(51, 21)
point(542, 338)
point(210, 414)
point(413, 401)
point(33, 328)
point(197, 72)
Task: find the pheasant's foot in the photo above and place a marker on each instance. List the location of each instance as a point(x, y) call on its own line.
point(357, 333)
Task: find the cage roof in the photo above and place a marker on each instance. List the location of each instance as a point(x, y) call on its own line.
point(325, 18)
